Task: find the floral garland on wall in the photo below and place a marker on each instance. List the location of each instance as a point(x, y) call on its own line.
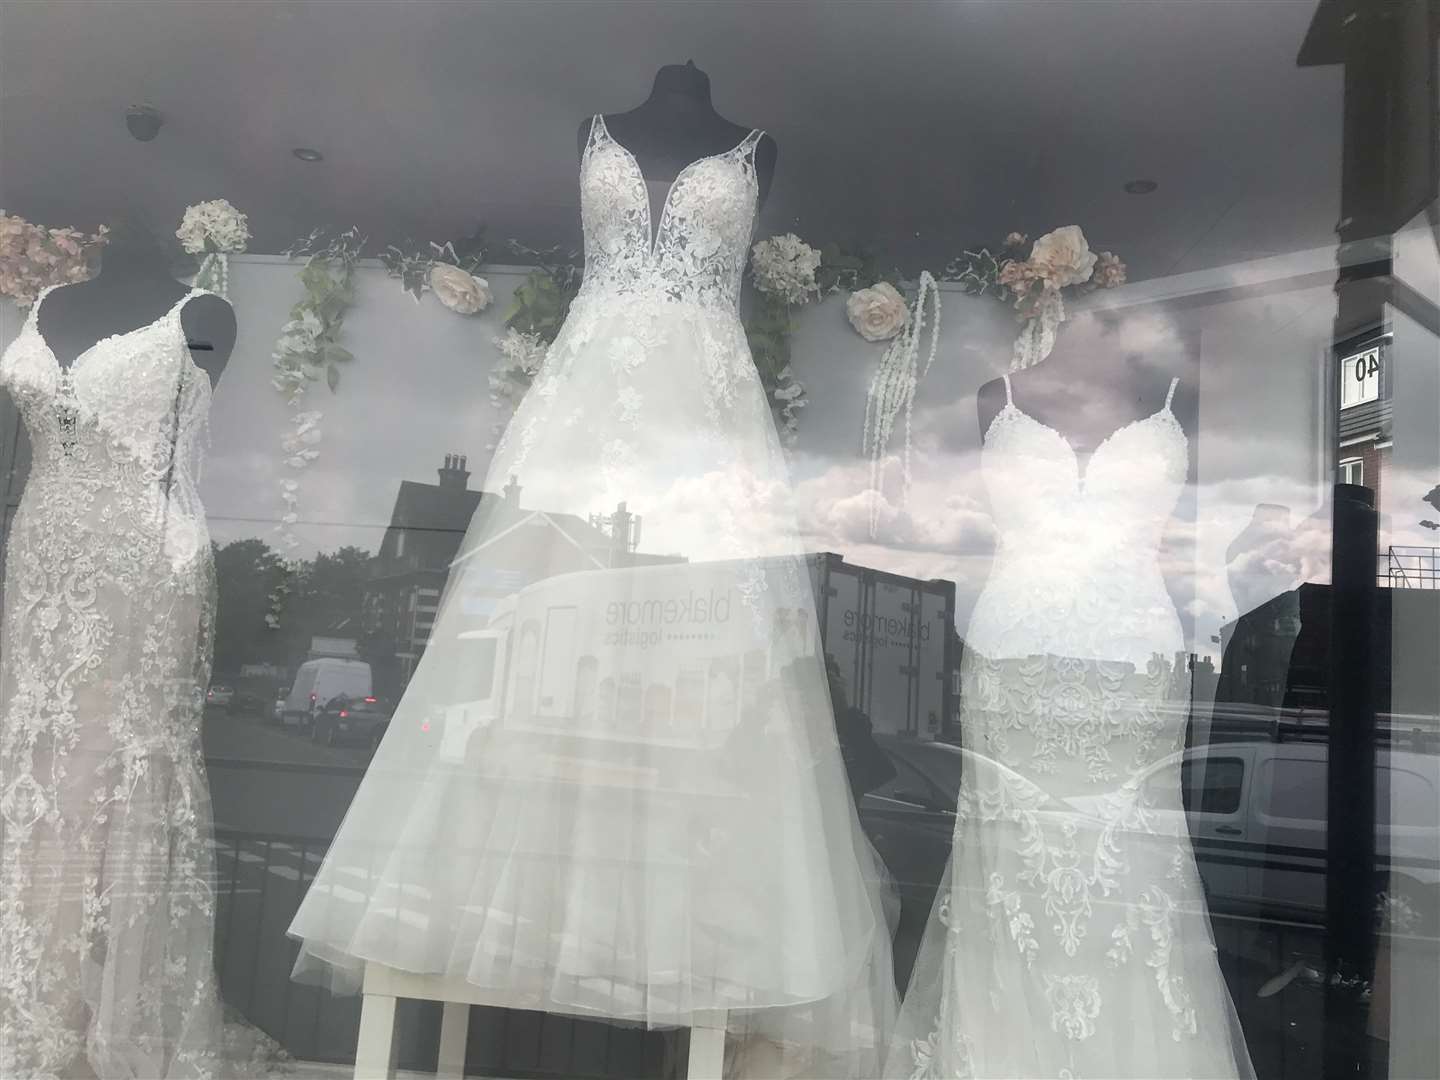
point(541, 303)
point(1060, 263)
point(447, 270)
point(33, 257)
point(307, 350)
point(788, 273)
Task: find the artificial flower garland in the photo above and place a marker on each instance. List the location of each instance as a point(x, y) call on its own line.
point(441, 269)
point(1035, 286)
point(789, 273)
point(308, 349)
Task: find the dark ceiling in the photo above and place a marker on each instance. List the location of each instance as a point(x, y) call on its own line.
point(913, 128)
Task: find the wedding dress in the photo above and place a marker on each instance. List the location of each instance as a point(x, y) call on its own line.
point(614, 789)
point(1070, 937)
point(106, 870)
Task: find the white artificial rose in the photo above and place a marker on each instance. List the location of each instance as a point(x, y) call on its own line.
point(462, 293)
point(877, 313)
point(1063, 257)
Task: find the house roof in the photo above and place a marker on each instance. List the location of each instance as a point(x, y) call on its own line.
point(434, 519)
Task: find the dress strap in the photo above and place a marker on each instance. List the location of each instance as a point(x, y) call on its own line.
point(190, 294)
point(598, 130)
point(1009, 398)
point(32, 317)
point(1170, 394)
point(751, 141)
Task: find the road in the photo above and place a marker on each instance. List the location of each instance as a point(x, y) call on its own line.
point(278, 799)
point(265, 779)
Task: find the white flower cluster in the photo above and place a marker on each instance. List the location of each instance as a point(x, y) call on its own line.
point(784, 267)
point(523, 353)
point(791, 395)
point(301, 442)
point(214, 226)
point(297, 355)
point(526, 352)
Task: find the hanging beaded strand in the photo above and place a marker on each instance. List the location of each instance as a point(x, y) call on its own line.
point(892, 391)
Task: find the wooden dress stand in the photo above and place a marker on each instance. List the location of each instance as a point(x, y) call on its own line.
point(384, 986)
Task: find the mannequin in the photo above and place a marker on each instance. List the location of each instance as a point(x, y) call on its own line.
point(1087, 396)
point(134, 288)
point(676, 125)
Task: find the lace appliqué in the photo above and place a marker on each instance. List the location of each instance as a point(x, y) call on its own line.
point(107, 629)
point(1074, 1002)
point(698, 250)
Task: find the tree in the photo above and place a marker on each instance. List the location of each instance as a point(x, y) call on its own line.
point(246, 571)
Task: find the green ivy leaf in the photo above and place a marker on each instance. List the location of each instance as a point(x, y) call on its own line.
point(332, 377)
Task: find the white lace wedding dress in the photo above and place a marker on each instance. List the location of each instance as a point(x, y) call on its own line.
point(106, 872)
point(617, 791)
point(1070, 936)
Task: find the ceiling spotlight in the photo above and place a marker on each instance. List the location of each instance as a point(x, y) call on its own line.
point(1140, 187)
point(304, 153)
point(143, 122)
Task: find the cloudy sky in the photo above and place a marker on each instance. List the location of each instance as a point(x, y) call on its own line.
point(417, 391)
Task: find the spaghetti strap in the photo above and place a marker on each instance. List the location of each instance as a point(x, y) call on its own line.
point(598, 132)
point(1009, 397)
point(189, 295)
point(32, 317)
point(1170, 394)
point(751, 141)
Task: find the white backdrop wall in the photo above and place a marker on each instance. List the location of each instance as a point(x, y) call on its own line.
point(417, 391)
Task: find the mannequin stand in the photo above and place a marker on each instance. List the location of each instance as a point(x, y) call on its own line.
point(384, 986)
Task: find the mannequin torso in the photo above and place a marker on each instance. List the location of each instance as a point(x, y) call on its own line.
point(134, 289)
point(1086, 397)
point(677, 125)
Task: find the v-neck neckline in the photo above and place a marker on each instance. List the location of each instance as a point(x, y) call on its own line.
point(1082, 466)
point(67, 371)
point(655, 225)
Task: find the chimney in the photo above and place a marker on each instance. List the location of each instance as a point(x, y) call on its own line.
point(512, 492)
point(453, 475)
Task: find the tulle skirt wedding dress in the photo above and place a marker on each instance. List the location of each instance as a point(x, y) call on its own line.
point(613, 786)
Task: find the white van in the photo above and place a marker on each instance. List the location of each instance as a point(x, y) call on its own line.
point(317, 682)
point(660, 656)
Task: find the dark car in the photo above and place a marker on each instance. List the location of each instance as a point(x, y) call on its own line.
point(355, 720)
point(219, 696)
point(910, 818)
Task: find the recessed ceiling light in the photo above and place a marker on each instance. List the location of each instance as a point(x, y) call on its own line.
point(1140, 187)
point(304, 153)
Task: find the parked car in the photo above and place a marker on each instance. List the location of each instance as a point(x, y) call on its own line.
point(911, 820)
point(1257, 816)
point(346, 719)
point(219, 696)
point(317, 682)
point(1255, 811)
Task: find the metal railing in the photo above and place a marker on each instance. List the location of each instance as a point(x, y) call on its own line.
point(263, 876)
point(1408, 567)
